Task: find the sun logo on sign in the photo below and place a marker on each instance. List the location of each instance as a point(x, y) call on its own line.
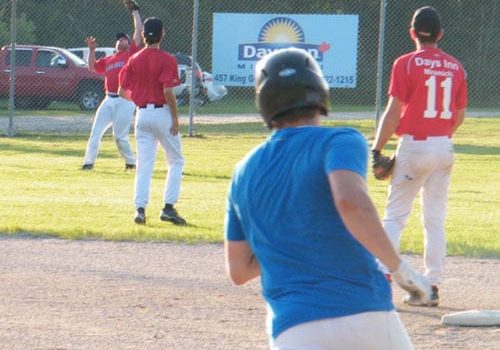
point(281, 30)
point(280, 33)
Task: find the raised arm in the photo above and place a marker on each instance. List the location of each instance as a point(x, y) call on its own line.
point(91, 44)
point(138, 28)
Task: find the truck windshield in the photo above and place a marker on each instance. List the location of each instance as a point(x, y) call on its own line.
point(74, 58)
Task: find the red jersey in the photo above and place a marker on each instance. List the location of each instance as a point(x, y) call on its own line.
point(147, 73)
point(432, 86)
point(110, 66)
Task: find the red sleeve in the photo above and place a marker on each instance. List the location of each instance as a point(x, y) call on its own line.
point(125, 77)
point(398, 86)
point(100, 65)
point(169, 76)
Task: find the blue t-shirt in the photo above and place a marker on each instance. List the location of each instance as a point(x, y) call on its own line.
point(280, 202)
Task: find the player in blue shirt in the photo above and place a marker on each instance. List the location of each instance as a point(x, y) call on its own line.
point(299, 216)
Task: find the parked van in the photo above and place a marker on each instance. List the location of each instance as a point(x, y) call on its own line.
point(83, 52)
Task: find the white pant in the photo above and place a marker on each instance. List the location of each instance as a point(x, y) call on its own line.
point(152, 127)
point(364, 331)
point(116, 112)
point(421, 166)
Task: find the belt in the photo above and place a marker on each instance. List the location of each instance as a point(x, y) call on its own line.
point(423, 138)
point(152, 106)
point(112, 95)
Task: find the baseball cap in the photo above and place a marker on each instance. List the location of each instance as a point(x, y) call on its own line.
point(122, 35)
point(153, 27)
point(426, 22)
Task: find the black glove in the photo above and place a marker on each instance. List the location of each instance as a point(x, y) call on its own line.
point(131, 5)
point(382, 166)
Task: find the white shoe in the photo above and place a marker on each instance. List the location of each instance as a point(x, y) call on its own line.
point(415, 300)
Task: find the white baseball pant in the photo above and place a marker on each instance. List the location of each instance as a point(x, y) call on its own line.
point(152, 127)
point(421, 166)
point(118, 113)
point(365, 331)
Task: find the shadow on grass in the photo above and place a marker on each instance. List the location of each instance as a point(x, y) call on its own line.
point(200, 175)
point(48, 145)
point(201, 130)
point(50, 150)
point(473, 149)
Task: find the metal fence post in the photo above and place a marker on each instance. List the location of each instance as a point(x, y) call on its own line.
point(380, 62)
point(10, 130)
point(194, 50)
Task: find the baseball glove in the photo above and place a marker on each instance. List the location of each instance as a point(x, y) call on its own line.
point(131, 5)
point(382, 166)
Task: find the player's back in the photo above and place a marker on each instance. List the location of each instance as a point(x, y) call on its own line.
point(150, 61)
point(310, 263)
point(432, 86)
point(282, 186)
point(150, 69)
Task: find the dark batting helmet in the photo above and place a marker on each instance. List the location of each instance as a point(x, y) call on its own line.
point(288, 79)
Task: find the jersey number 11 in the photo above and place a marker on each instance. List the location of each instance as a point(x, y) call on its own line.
point(430, 111)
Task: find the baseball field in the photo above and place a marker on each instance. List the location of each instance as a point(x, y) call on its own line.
point(45, 194)
point(77, 273)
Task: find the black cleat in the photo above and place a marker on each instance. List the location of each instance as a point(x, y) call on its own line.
point(129, 167)
point(170, 214)
point(140, 216)
point(87, 166)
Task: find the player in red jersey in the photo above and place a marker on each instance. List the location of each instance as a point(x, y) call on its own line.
point(114, 110)
point(150, 76)
point(427, 103)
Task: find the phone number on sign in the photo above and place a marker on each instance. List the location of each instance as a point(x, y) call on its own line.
point(340, 79)
point(335, 80)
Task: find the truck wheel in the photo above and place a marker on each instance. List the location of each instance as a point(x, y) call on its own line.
point(90, 97)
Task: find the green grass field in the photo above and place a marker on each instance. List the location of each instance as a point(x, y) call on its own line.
point(43, 192)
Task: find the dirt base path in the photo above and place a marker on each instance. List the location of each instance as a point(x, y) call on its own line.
point(57, 294)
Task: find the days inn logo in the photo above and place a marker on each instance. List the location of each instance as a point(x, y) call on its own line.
point(280, 33)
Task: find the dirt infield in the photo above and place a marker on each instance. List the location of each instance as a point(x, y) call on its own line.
point(57, 294)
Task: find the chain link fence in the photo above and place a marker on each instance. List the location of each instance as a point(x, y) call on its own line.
point(55, 93)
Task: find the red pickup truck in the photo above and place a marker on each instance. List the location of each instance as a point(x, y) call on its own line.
point(45, 74)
